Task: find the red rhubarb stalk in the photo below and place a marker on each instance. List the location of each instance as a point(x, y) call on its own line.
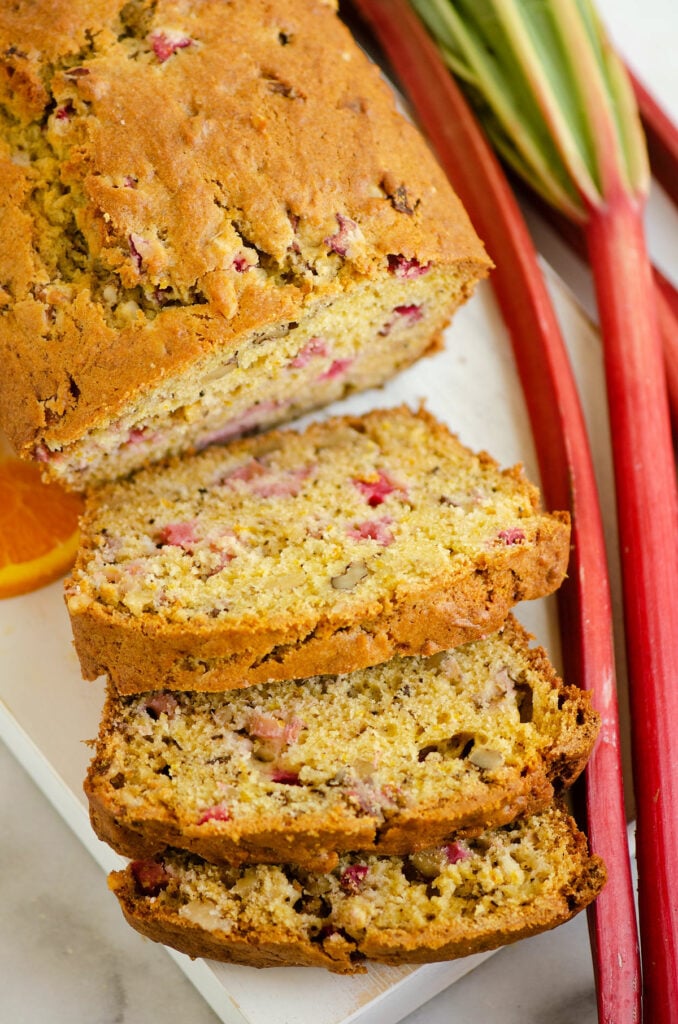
point(666, 297)
point(662, 139)
point(667, 310)
point(565, 462)
point(558, 104)
point(662, 143)
point(647, 510)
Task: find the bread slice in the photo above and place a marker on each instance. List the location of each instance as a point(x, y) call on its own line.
point(212, 218)
point(288, 555)
point(440, 904)
point(388, 759)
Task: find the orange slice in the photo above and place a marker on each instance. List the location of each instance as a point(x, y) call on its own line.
point(38, 528)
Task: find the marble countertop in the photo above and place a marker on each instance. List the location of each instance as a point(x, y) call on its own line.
point(68, 957)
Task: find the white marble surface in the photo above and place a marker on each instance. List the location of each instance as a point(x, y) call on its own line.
point(66, 956)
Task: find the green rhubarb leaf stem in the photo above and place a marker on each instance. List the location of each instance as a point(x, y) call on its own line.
point(551, 90)
point(540, 75)
point(629, 123)
point(470, 57)
point(593, 94)
point(607, 101)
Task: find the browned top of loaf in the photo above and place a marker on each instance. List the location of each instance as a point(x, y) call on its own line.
point(152, 152)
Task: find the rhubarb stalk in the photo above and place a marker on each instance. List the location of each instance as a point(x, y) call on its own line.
point(557, 102)
point(667, 310)
point(662, 138)
point(666, 297)
point(565, 463)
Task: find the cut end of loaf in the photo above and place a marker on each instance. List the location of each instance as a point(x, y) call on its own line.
point(342, 345)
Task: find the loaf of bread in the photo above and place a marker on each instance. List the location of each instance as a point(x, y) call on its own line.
point(388, 759)
point(288, 555)
point(437, 904)
point(211, 219)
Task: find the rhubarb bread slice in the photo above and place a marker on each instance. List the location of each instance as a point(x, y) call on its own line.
point(389, 759)
point(212, 218)
point(289, 555)
point(437, 904)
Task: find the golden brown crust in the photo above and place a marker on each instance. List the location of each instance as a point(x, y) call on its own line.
point(261, 951)
point(315, 844)
point(538, 917)
point(146, 655)
point(191, 130)
point(276, 949)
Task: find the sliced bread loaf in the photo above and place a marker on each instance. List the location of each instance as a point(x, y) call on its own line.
point(390, 759)
point(438, 904)
point(288, 555)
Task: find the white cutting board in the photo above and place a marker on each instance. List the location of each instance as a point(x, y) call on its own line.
point(47, 712)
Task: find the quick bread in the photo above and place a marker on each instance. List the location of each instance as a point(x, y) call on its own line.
point(288, 555)
point(450, 901)
point(389, 759)
point(211, 219)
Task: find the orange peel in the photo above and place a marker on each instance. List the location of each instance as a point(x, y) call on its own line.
point(38, 528)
